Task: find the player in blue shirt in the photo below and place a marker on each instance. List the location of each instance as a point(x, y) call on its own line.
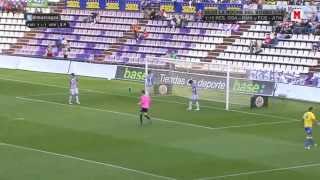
point(194, 97)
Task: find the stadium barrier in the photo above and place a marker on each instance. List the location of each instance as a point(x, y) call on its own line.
point(193, 7)
point(297, 92)
point(288, 91)
point(203, 81)
point(7, 62)
point(43, 65)
point(93, 70)
point(118, 5)
point(58, 66)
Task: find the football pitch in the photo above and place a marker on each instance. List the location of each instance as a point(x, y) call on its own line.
point(44, 138)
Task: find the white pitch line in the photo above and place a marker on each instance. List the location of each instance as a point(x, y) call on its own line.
point(242, 112)
point(261, 171)
point(46, 94)
point(86, 160)
point(175, 102)
point(158, 119)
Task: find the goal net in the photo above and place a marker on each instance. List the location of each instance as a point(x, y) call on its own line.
point(218, 85)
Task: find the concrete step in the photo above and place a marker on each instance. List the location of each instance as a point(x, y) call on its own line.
point(22, 41)
point(108, 52)
point(213, 54)
point(121, 40)
point(231, 39)
point(207, 60)
point(31, 34)
point(16, 46)
point(221, 46)
point(238, 34)
point(143, 22)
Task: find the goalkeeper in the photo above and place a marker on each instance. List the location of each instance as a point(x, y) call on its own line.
point(149, 80)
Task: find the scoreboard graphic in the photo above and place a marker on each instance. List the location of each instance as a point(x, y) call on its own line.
point(37, 3)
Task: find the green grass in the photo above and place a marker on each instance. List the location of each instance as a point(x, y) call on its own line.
point(43, 138)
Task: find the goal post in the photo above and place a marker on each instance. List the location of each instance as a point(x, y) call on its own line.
point(213, 81)
point(223, 86)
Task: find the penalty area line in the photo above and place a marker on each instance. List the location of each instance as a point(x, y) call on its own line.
point(156, 99)
point(158, 119)
point(86, 160)
point(261, 171)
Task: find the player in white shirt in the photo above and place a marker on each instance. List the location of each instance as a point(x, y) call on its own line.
point(74, 91)
point(149, 80)
point(194, 97)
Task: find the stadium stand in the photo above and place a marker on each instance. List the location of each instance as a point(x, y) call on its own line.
point(110, 39)
point(12, 27)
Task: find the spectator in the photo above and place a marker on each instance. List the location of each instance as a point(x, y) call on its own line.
point(267, 41)
point(38, 10)
point(59, 42)
point(317, 30)
point(65, 52)
point(178, 21)
point(235, 27)
point(143, 35)
point(92, 18)
point(144, 4)
point(7, 7)
point(173, 54)
point(190, 3)
point(1, 5)
point(135, 29)
point(251, 46)
point(172, 22)
point(20, 8)
point(198, 15)
point(258, 47)
point(163, 14)
point(14, 7)
point(309, 80)
point(274, 40)
point(278, 28)
point(49, 51)
point(316, 46)
point(65, 43)
point(318, 17)
point(311, 27)
point(282, 35)
point(152, 14)
point(260, 4)
point(184, 21)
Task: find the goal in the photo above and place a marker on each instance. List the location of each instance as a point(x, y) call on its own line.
point(219, 85)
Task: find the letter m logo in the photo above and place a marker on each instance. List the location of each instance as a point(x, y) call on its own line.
point(296, 15)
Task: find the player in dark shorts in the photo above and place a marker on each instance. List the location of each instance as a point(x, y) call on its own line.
point(145, 103)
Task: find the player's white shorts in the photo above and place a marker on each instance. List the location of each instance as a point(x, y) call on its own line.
point(149, 90)
point(194, 97)
point(74, 91)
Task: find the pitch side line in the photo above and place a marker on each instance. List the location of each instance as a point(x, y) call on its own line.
point(159, 119)
point(86, 160)
point(102, 92)
point(261, 171)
